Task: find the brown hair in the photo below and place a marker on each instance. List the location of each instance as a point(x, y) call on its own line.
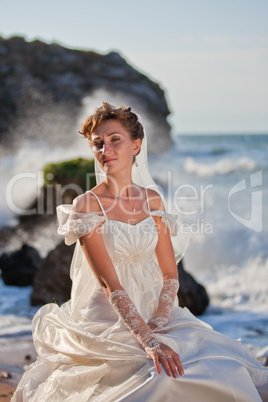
point(128, 119)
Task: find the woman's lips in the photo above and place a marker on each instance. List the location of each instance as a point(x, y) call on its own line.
point(109, 160)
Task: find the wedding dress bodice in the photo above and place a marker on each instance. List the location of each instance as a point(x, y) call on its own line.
point(131, 248)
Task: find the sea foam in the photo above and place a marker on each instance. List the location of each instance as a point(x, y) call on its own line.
point(222, 166)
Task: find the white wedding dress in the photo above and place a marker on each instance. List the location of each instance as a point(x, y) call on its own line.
point(86, 353)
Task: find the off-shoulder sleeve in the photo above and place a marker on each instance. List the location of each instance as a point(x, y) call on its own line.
point(73, 225)
point(179, 238)
point(171, 221)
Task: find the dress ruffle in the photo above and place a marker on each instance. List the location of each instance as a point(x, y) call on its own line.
point(171, 221)
point(73, 225)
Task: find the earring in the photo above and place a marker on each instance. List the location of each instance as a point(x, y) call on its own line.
point(136, 162)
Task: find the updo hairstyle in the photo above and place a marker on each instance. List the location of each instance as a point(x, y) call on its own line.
point(128, 119)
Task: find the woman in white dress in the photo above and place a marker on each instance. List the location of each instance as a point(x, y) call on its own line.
point(122, 335)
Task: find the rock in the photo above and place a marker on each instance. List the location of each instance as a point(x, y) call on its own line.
point(28, 357)
point(262, 356)
point(5, 374)
point(63, 181)
point(19, 267)
point(52, 282)
point(43, 88)
point(191, 294)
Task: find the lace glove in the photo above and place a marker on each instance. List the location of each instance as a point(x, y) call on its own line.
point(165, 306)
point(133, 320)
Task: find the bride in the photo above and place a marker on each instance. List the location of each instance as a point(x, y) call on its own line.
point(122, 335)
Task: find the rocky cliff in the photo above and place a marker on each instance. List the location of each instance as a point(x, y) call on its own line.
point(36, 77)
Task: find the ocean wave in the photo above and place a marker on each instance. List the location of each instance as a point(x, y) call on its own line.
point(202, 152)
point(221, 167)
point(241, 287)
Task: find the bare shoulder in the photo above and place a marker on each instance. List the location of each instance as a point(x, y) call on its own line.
point(155, 201)
point(86, 203)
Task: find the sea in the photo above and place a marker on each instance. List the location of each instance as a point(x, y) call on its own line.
point(219, 186)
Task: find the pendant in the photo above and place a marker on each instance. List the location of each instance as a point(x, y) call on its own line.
point(133, 209)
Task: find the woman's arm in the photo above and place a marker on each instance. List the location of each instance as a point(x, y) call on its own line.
point(164, 249)
point(94, 248)
point(167, 263)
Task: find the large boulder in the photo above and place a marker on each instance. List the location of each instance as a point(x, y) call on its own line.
point(44, 88)
point(52, 282)
point(19, 267)
point(191, 294)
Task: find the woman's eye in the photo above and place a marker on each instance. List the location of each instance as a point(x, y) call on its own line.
point(116, 138)
point(97, 145)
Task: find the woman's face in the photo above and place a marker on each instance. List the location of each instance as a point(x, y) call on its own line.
point(113, 147)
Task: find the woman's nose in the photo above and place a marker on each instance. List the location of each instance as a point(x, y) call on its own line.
point(106, 148)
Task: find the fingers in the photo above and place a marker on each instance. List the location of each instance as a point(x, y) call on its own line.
point(172, 365)
point(169, 360)
point(179, 366)
point(169, 366)
point(171, 371)
point(157, 365)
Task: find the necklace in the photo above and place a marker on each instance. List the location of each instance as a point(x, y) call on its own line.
point(133, 206)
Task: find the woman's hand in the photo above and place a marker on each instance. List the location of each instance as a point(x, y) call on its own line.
point(168, 358)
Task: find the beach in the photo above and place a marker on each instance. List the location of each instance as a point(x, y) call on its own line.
point(16, 355)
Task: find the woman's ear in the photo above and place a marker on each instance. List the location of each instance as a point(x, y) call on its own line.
point(137, 146)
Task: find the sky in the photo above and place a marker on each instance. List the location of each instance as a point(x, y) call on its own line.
point(210, 56)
